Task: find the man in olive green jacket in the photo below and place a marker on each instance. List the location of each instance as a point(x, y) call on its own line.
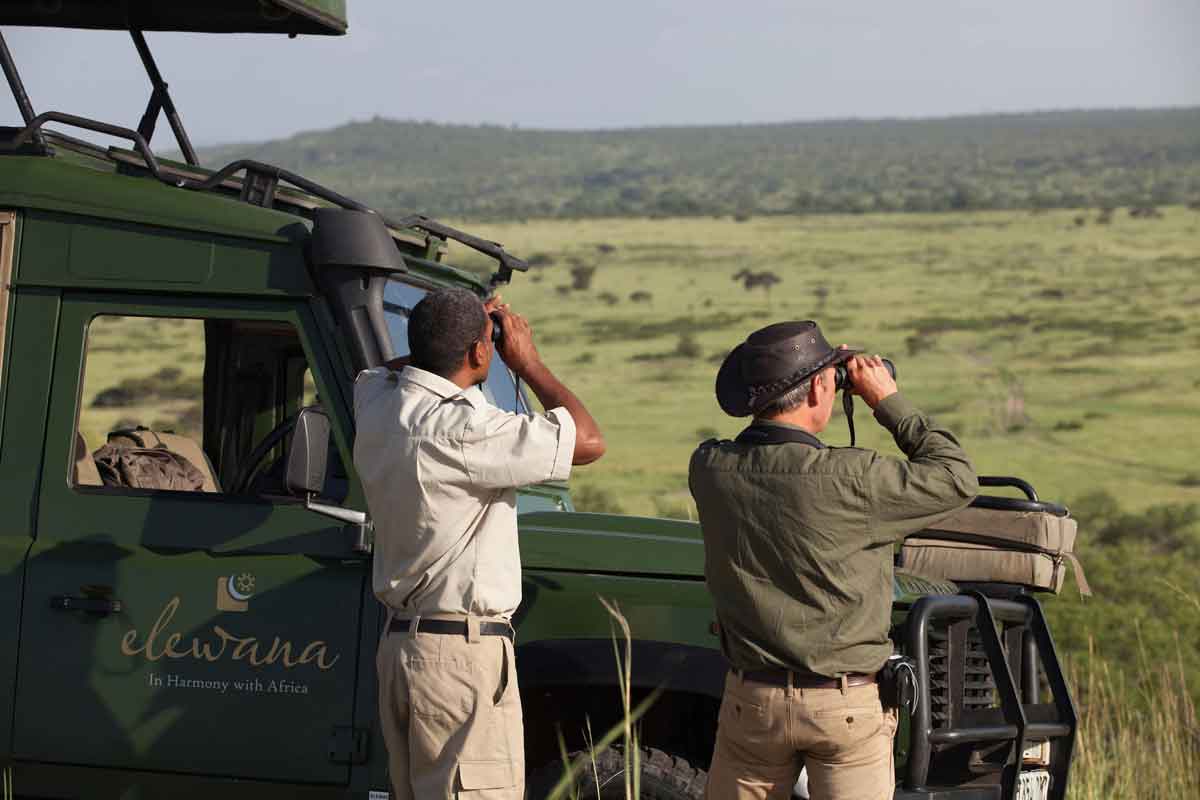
point(798, 557)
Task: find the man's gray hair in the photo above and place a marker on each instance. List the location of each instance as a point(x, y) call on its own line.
point(792, 398)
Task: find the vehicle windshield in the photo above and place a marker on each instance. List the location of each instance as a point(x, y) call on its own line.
point(398, 301)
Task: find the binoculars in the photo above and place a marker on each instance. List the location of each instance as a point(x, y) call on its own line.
point(843, 375)
point(497, 328)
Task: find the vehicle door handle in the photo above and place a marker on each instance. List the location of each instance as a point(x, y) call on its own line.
point(96, 601)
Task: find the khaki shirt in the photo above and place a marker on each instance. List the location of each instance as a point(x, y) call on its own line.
point(798, 539)
point(440, 466)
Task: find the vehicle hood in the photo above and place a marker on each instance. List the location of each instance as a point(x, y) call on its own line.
point(618, 544)
point(611, 543)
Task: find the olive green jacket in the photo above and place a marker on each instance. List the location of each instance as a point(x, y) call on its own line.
point(798, 539)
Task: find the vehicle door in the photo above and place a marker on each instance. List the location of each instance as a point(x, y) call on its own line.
point(211, 630)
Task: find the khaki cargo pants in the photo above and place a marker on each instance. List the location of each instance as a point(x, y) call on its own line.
point(451, 717)
point(767, 733)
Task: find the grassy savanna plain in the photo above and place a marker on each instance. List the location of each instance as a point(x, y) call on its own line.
point(142, 371)
point(1063, 353)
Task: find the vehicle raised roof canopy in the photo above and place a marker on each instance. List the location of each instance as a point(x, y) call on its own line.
point(212, 16)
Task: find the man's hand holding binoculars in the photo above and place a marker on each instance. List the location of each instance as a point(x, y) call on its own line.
point(871, 379)
point(513, 338)
point(515, 344)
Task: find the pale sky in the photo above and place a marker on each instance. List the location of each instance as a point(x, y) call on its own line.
point(632, 63)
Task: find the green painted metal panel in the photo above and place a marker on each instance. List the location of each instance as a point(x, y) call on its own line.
point(180, 679)
point(86, 252)
point(611, 543)
point(564, 605)
point(212, 16)
point(60, 184)
point(120, 255)
point(32, 323)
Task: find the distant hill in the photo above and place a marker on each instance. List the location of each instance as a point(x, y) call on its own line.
point(1036, 160)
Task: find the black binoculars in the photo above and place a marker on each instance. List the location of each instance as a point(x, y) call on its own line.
point(843, 375)
point(497, 328)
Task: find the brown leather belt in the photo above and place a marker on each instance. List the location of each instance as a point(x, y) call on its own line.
point(452, 627)
point(804, 680)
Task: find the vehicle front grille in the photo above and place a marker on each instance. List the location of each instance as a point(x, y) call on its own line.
point(968, 687)
point(939, 676)
point(979, 687)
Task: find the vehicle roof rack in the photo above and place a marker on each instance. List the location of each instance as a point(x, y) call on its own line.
point(261, 182)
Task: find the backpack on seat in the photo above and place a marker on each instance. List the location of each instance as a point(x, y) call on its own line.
point(140, 459)
point(83, 470)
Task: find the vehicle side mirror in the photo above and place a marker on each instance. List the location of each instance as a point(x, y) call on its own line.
point(308, 456)
point(307, 461)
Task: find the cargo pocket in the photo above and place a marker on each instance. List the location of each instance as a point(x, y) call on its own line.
point(457, 731)
point(491, 761)
point(502, 739)
point(443, 708)
point(476, 778)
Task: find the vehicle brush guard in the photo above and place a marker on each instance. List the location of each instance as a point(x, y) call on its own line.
point(1018, 717)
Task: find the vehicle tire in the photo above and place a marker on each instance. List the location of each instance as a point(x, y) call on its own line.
point(663, 777)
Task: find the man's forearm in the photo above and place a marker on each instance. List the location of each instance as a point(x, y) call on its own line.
point(552, 393)
point(924, 443)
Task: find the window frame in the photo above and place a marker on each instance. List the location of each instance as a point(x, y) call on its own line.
point(289, 313)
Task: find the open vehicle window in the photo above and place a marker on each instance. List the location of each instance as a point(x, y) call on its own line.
point(398, 302)
point(191, 405)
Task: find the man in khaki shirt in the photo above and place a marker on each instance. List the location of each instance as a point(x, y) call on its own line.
point(440, 467)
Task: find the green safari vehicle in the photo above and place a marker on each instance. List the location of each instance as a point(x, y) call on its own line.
point(216, 638)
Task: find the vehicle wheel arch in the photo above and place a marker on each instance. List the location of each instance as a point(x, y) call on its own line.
point(570, 684)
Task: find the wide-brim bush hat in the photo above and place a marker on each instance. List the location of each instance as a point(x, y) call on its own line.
point(771, 361)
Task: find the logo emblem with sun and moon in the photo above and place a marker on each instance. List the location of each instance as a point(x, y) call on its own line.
point(234, 591)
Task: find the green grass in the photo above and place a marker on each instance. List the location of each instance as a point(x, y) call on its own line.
point(131, 354)
point(1064, 355)
point(1148, 750)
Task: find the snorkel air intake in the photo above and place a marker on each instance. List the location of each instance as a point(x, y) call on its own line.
point(352, 256)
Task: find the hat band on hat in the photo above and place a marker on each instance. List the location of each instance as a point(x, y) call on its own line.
point(779, 386)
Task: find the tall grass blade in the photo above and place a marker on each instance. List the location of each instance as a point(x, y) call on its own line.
point(624, 730)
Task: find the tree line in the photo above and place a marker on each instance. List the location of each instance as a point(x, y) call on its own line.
point(1099, 159)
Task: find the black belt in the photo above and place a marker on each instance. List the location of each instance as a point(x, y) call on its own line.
point(452, 627)
point(804, 680)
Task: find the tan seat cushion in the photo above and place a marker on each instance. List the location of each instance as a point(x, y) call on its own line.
point(981, 544)
point(84, 471)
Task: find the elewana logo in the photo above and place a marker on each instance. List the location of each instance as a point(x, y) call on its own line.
point(234, 592)
point(217, 644)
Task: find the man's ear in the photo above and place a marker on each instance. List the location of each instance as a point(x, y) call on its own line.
point(477, 354)
point(814, 391)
